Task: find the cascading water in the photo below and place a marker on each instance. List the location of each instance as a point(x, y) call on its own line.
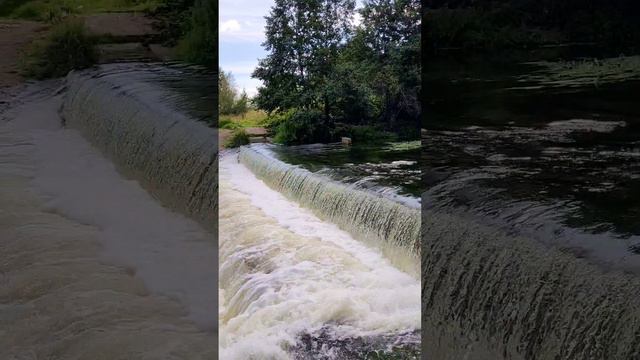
point(530, 210)
point(295, 287)
point(489, 295)
point(169, 151)
point(92, 265)
point(390, 226)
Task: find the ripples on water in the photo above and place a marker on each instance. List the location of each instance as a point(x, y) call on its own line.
point(557, 161)
point(93, 266)
point(390, 169)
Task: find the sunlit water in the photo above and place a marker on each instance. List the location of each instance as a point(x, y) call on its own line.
point(295, 287)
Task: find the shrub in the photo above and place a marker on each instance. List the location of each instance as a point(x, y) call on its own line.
point(238, 138)
point(364, 134)
point(301, 127)
point(199, 42)
point(228, 124)
point(67, 48)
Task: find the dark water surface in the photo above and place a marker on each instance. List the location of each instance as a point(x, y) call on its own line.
point(184, 88)
point(390, 169)
point(545, 144)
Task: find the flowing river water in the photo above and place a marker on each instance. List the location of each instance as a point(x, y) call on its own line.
point(96, 229)
point(530, 211)
point(311, 267)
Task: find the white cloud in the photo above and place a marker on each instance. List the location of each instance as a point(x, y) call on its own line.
point(230, 26)
point(357, 19)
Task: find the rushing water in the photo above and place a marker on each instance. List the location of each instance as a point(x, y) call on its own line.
point(93, 266)
point(293, 286)
point(129, 115)
point(391, 169)
point(530, 214)
point(387, 225)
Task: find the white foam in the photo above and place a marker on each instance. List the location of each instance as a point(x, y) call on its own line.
point(285, 272)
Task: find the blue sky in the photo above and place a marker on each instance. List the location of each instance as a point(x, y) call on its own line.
point(241, 33)
point(241, 25)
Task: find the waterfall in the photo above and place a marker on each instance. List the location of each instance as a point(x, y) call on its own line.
point(172, 154)
point(292, 286)
point(390, 226)
point(486, 295)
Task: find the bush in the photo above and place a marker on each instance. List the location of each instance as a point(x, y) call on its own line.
point(198, 45)
point(364, 134)
point(228, 124)
point(301, 127)
point(67, 48)
point(238, 138)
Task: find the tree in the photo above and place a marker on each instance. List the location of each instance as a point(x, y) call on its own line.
point(303, 38)
point(391, 31)
point(226, 92)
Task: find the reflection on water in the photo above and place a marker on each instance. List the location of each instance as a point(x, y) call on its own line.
point(544, 144)
point(390, 169)
point(186, 88)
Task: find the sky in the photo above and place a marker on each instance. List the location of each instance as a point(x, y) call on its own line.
point(241, 33)
point(241, 26)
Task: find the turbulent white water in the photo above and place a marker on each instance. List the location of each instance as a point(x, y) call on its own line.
point(92, 266)
point(285, 273)
point(387, 225)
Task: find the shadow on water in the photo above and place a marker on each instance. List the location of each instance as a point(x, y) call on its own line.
point(543, 143)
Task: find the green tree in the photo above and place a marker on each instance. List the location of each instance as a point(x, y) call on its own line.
point(303, 38)
point(391, 34)
point(226, 93)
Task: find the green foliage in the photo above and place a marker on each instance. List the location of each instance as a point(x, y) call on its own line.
point(303, 38)
point(301, 127)
point(238, 138)
point(55, 10)
point(320, 63)
point(199, 43)
point(364, 134)
point(252, 118)
point(229, 101)
point(68, 47)
point(228, 124)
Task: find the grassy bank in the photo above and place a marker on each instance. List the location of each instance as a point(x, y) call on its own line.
point(53, 10)
point(67, 47)
point(252, 118)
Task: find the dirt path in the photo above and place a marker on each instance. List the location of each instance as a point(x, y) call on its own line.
point(132, 33)
point(14, 37)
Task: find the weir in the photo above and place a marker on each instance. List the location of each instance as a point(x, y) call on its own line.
point(487, 295)
point(390, 226)
point(293, 286)
point(170, 152)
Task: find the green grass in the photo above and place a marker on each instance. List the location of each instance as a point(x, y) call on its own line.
point(53, 10)
point(67, 47)
point(253, 118)
point(238, 138)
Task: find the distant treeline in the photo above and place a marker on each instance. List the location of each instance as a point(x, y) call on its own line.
point(327, 76)
point(494, 24)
